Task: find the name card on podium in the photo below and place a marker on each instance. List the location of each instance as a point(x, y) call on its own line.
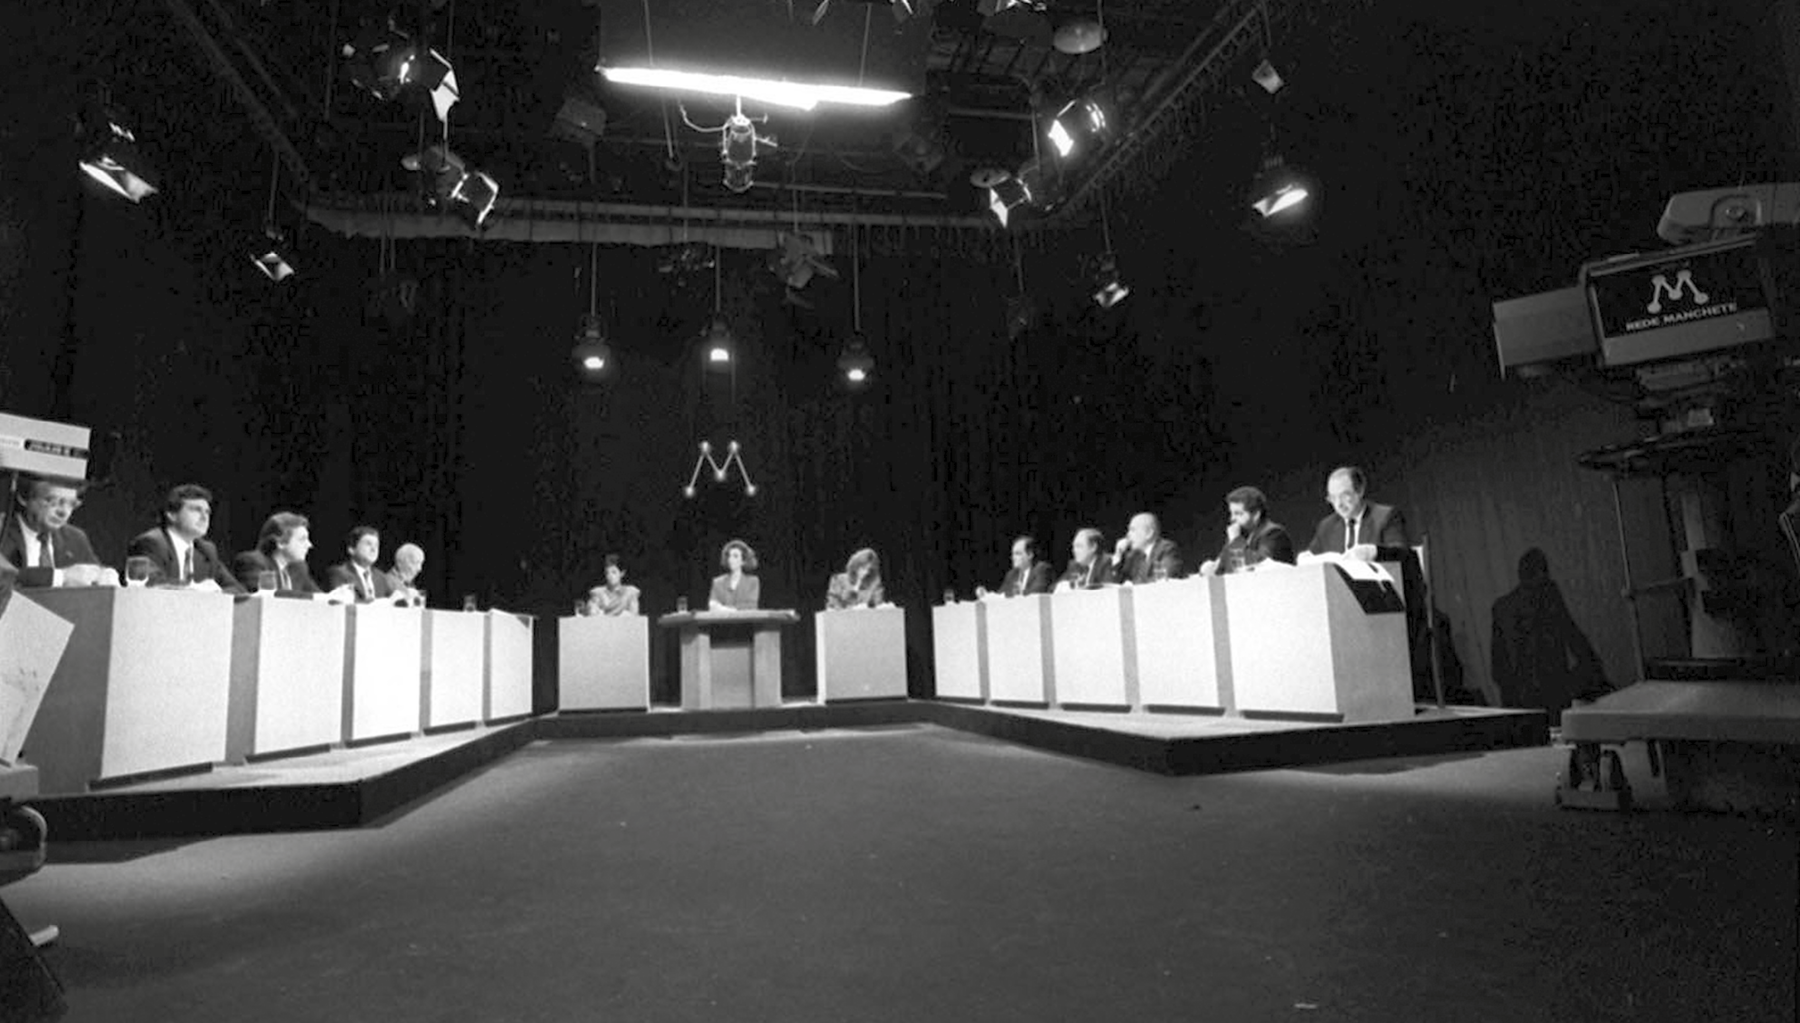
point(1178, 630)
point(603, 662)
point(383, 656)
point(959, 651)
point(455, 668)
point(861, 654)
point(287, 676)
point(1021, 668)
point(1091, 660)
point(1319, 641)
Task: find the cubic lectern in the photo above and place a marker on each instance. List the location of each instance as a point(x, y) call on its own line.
point(730, 658)
point(861, 654)
point(603, 662)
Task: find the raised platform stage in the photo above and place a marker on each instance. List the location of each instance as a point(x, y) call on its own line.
point(359, 785)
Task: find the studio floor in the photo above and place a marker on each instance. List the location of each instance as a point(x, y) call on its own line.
point(913, 872)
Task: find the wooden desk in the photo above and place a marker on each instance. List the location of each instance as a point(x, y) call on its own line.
point(603, 662)
point(861, 654)
point(730, 658)
point(287, 676)
point(144, 686)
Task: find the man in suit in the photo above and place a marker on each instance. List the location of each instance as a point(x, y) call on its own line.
point(41, 543)
point(359, 571)
point(178, 551)
point(1027, 575)
point(281, 550)
point(1357, 527)
point(1144, 555)
point(1250, 537)
point(1089, 569)
point(409, 561)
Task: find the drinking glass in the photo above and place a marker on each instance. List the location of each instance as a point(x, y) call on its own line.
point(1237, 559)
point(265, 582)
point(680, 605)
point(469, 602)
point(137, 571)
point(949, 595)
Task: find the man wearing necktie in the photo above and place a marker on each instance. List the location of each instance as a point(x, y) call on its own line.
point(1356, 526)
point(281, 549)
point(178, 551)
point(1090, 568)
point(40, 542)
point(364, 547)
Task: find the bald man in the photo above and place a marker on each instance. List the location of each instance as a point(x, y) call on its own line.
point(409, 560)
point(1144, 555)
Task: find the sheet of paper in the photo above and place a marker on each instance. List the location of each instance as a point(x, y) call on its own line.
point(32, 641)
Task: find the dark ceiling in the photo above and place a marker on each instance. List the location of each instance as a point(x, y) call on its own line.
point(977, 80)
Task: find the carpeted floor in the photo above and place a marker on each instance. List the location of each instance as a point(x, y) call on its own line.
point(918, 873)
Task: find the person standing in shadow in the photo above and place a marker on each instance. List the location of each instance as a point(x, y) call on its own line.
point(1541, 657)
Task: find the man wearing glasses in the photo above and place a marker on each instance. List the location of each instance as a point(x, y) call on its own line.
point(39, 540)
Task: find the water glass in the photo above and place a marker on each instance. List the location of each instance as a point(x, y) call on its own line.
point(137, 571)
point(265, 582)
point(469, 602)
point(949, 595)
point(681, 605)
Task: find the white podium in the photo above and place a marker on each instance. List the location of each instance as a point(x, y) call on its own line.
point(959, 651)
point(455, 669)
point(144, 686)
point(1093, 666)
point(1183, 658)
point(508, 689)
point(603, 662)
point(383, 664)
point(1021, 668)
point(287, 677)
point(1311, 642)
point(861, 654)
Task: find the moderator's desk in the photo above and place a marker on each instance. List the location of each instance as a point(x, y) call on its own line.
point(730, 658)
point(603, 662)
point(144, 686)
point(861, 654)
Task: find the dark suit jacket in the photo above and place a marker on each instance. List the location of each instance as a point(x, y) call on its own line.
point(1381, 525)
point(1092, 577)
point(1161, 561)
point(1267, 542)
point(7, 574)
point(250, 564)
point(840, 595)
point(747, 597)
point(68, 546)
point(1038, 579)
point(156, 545)
point(344, 574)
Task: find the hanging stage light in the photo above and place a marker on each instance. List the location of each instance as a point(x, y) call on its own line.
point(109, 153)
point(737, 150)
point(471, 193)
point(719, 343)
point(388, 64)
point(1277, 189)
point(856, 362)
point(1268, 77)
point(1080, 126)
point(1109, 288)
point(592, 355)
point(272, 255)
point(1005, 194)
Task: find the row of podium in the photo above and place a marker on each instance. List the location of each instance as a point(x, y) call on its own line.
point(156, 680)
point(1315, 642)
point(1321, 641)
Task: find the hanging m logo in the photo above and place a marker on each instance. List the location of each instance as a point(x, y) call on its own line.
point(1660, 288)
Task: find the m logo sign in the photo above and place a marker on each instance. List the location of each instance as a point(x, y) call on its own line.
point(1660, 288)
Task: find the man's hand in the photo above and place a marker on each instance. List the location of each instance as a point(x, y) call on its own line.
point(1121, 547)
point(1232, 532)
point(88, 575)
point(345, 594)
point(207, 586)
point(1362, 552)
point(1210, 566)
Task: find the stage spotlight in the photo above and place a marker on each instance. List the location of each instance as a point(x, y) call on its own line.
point(1007, 196)
point(737, 151)
point(1277, 189)
point(1266, 76)
point(592, 355)
point(273, 256)
point(1109, 288)
point(1080, 125)
point(109, 154)
point(471, 193)
point(856, 362)
point(719, 343)
point(389, 65)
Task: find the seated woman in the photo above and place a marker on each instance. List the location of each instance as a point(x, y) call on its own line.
point(280, 548)
point(615, 598)
point(737, 589)
point(858, 585)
